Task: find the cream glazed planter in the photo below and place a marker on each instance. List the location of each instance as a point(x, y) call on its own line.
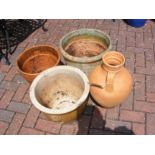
point(60, 92)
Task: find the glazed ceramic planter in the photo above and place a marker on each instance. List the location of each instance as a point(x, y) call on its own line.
point(60, 92)
point(34, 60)
point(84, 48)
point(114, 80)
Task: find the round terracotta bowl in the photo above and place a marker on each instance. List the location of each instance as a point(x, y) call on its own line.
point(36, 59)
point(60, 92)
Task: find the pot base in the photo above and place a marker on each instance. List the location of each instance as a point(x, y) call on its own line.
point(67, 117)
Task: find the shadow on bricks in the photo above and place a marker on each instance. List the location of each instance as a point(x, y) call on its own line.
point(94, 122)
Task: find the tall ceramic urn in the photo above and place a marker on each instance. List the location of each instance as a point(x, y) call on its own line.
point(111, 82)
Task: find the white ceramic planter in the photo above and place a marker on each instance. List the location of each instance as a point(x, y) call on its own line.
point(60, 92)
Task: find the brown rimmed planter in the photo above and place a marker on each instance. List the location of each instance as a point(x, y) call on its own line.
point(34, 60)
point(60, 92)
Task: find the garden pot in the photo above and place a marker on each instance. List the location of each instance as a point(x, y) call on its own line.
point(136, 22)
point(36, 59)
point(60, 92)
point(84, 48)
point(114, 80)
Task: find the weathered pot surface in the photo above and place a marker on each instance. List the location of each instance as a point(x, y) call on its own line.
point(84, 48)
point(114, 80)
point(36, 59)
point(60, 92)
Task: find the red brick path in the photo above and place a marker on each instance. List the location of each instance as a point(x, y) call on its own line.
point(135, 116)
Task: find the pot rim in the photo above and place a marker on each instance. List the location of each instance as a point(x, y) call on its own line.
point(79, 59)
point(37, 46)
point(46, 73)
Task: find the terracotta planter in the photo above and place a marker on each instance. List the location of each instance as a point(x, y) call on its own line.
point(60, 93)
point(36, 59)
point(84, 48)
point(114, 80)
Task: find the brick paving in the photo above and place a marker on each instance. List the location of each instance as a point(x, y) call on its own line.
point(135, 116)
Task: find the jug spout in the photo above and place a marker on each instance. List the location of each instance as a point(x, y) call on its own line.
point(113, 61)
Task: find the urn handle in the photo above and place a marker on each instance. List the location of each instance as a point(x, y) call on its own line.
point(109, 81)
point(96, 85)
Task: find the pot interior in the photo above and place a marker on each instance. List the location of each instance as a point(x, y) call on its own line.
point(37, 59)
point(38, 63)
point(60, 91)
point(85, 45)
